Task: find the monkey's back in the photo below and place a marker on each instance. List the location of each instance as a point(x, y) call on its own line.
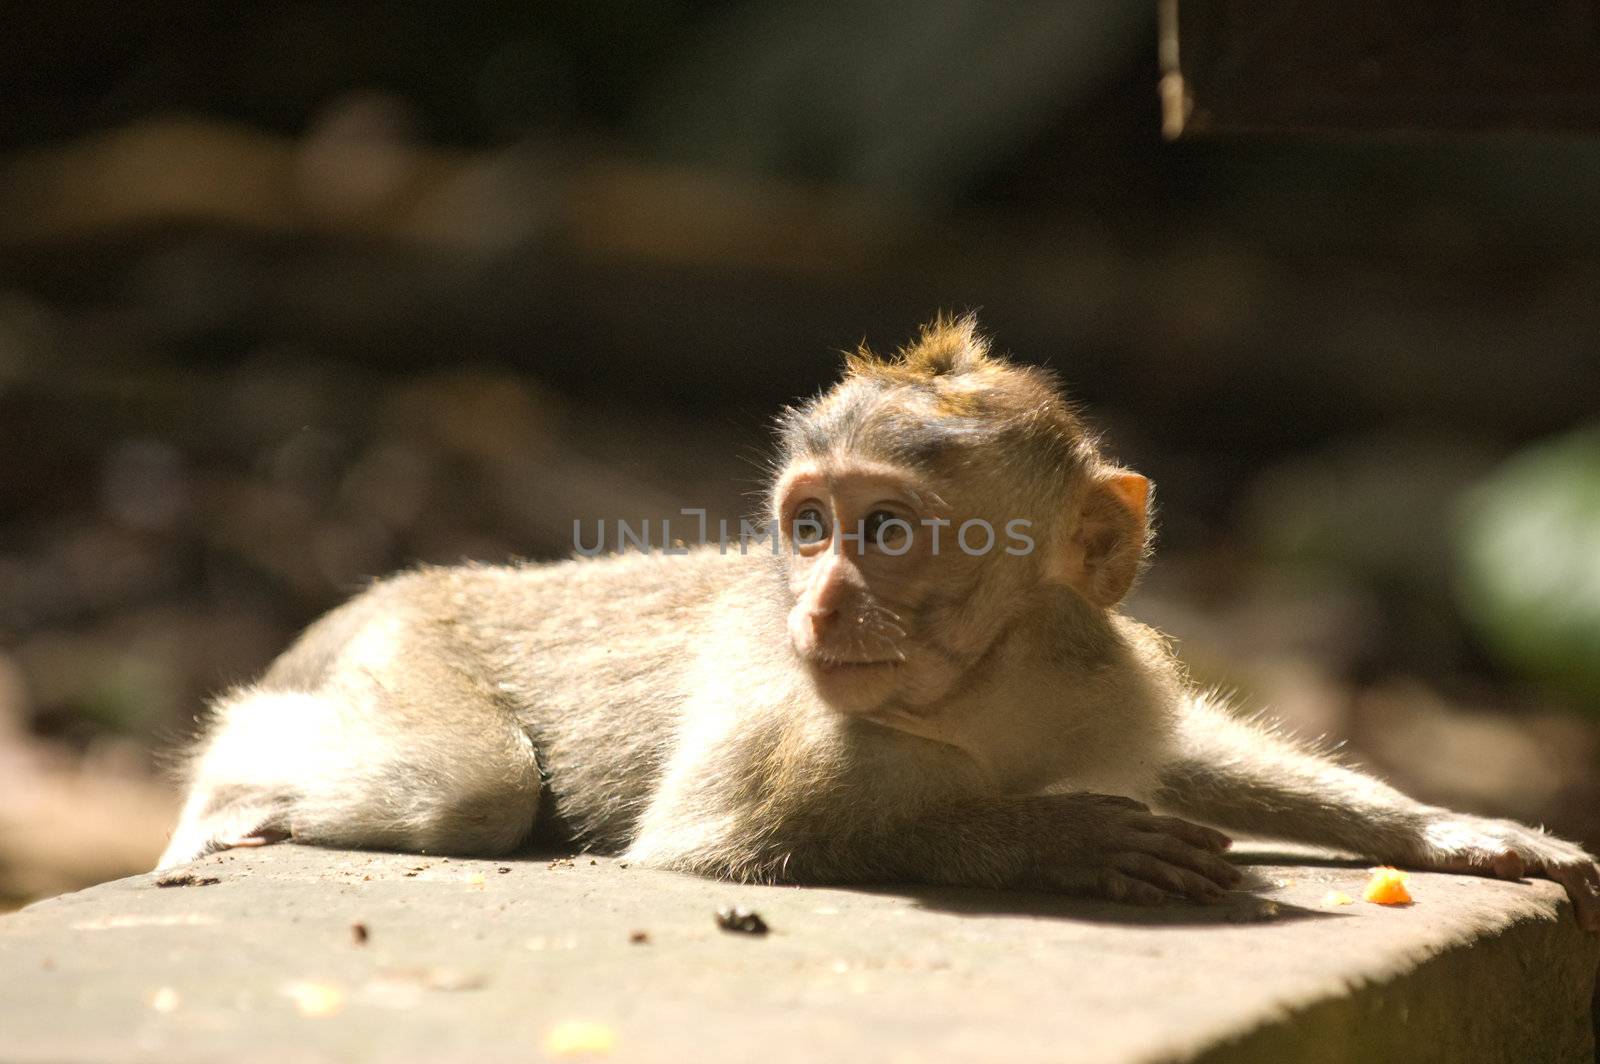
point(592, 656)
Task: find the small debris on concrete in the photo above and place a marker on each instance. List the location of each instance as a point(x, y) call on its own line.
point(503, 869)
point(1337, 897)
point(562, 862)
point(359, 933)
point(639, 938)
point(186, 879)
point(741, 921)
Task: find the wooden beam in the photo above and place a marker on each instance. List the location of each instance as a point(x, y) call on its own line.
point(1232, 66)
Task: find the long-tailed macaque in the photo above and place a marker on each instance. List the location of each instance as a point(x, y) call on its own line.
point(921, 677)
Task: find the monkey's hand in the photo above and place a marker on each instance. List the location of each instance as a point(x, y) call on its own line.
point(1508, 850)
point(1115, 848)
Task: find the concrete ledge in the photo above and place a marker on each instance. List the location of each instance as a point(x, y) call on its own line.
point(525, 959)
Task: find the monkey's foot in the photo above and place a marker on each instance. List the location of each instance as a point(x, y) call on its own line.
point(1507, 850)
point(226, 829)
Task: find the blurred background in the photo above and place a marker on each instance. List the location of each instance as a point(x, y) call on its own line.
point(297, 294)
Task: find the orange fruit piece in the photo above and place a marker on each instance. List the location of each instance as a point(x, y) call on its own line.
point(1387, 887)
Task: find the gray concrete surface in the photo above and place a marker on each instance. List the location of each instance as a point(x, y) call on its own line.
point(528, 960)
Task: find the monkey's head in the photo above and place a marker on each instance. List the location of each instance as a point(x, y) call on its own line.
point(926, 503)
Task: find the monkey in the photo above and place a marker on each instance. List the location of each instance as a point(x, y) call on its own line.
point(922, 677)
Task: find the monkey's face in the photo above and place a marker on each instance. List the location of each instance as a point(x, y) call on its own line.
point(878, 583)
point(894, 598)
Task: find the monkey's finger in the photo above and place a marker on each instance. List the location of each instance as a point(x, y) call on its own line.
point(1177, 852)
point(1119, 887)
point(1168, 877)
point(1582, 883)
point(1508, 864)
point(1193, 834)
point(1588, 903)
point(1496, 864)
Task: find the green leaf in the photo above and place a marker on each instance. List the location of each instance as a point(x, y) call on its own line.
point(1529, 563)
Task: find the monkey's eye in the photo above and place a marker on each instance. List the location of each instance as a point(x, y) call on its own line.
point(810, 526)
point(886, 530)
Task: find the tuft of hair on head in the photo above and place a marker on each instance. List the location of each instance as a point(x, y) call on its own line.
point(944, 347)
point(945, 397)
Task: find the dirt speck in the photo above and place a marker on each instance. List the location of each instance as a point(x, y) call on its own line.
point(741, 921)
point(186, 879)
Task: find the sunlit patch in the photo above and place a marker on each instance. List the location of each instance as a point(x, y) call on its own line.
point(314, 999)
point(576, 1038)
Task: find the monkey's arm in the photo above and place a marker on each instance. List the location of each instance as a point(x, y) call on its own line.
point(1243, 777)
point(1086, 844)
point(773, 798)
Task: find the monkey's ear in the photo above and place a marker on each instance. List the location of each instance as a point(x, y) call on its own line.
point(1107, 545)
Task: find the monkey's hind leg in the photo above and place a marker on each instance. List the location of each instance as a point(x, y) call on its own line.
point(427, 765)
